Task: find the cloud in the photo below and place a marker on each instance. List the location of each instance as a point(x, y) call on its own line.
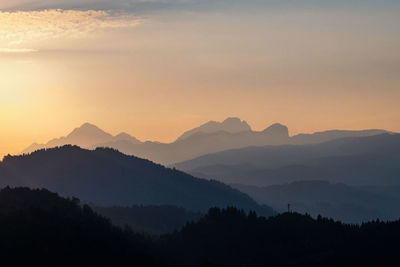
point(20, 27)
point(154, 5)
point(87, 4)
point(17, 50)
point(136, 6)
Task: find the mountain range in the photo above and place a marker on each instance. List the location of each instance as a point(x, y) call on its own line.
point(210, 137)
point(107, 177)
point(262, 164)
point(371, 160)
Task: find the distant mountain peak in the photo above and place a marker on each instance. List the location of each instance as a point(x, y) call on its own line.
point(123, 135)
point(126, 137)
point(277, 129)
point(86, 136)
point(233, 120)
point(88, 129)
point(88, 125)
point(230, 125)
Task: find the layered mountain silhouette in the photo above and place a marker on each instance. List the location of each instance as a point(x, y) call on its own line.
point(107, 177)
point(372, 160)
point(342, 202)
point(208, 138)
point(86, 136)
point(200, 143)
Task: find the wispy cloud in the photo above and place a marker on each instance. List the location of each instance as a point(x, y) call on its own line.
point(17, 50)
point(18, 28)
point(93, 4)
point(146, 6)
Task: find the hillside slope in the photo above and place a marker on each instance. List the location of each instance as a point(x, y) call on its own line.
point(107, 177)
point(39, 228)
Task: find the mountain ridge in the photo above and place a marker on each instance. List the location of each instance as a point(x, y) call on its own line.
point(85, 136)
point(107, 177)
point(369, 160)
point(211, 137)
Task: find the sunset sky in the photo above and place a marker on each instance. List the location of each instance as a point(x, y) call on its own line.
point(155, 68)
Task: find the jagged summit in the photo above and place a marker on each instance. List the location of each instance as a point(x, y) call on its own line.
point(236, 122)
point(230, 125)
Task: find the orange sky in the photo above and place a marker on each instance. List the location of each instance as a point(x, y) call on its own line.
point(157, 75)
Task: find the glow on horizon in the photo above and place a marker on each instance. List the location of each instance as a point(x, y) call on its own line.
point(157, 77)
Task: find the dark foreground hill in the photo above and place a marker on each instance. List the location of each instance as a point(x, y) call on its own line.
point(107, 177)
point(232, 238)
point(39, 228)
point(154, 220)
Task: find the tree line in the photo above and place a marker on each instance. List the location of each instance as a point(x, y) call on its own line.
point(40, 227)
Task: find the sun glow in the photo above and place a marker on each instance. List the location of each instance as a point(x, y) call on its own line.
point(157, 73)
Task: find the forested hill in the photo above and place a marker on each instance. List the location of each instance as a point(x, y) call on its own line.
point(39, 227)
point(154, 220)
point(231, 237)
point(109, 178)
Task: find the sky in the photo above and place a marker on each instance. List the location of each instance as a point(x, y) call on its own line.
point(156, 68)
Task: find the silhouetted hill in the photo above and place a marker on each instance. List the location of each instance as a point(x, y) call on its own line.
point(233, 238)
point(149, 219)
point(38, 228)
point(208, 138)
point(369, 160)
point(107, 177)
point(339, 201)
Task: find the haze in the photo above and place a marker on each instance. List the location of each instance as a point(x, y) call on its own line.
point(158, 68)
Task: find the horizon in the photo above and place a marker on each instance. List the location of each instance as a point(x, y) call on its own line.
point(157, 68)
point(115, 133)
